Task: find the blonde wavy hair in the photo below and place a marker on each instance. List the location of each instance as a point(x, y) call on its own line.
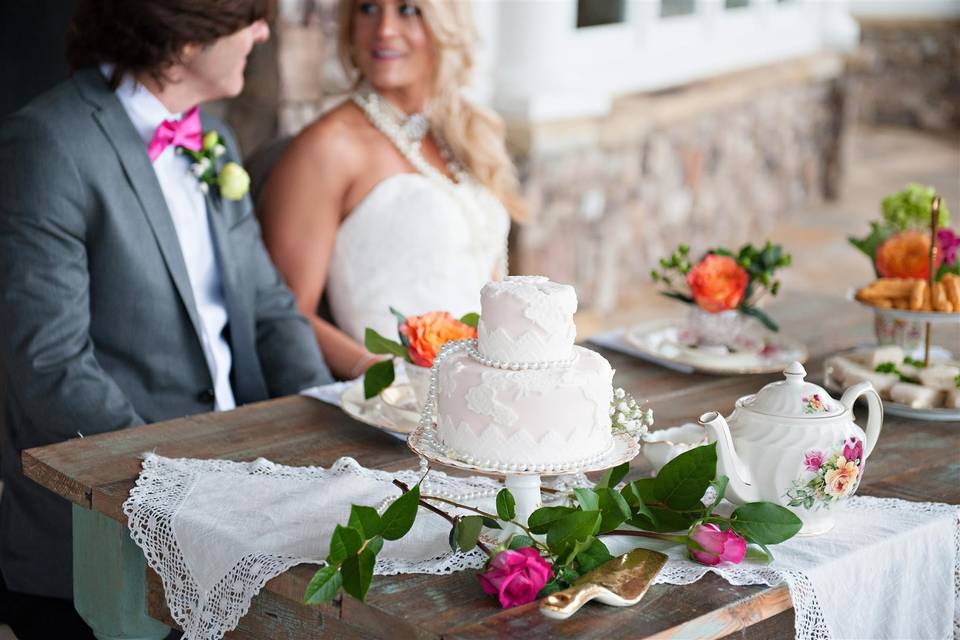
point(475, 135)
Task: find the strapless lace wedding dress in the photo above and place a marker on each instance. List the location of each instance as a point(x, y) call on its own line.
point(417, 246)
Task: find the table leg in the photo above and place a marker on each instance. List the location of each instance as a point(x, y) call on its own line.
point(109, 580)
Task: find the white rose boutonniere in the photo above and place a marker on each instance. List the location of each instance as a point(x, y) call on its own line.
point(231, 179)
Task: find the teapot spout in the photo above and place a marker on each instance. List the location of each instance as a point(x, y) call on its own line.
point(741, 488)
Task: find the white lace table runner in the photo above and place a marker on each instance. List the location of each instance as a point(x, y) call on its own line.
point(216, 531)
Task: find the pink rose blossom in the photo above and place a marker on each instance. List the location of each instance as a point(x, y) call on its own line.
point(949, 243)
point(516, 576)
point(813, 459)
point(717, 546)
point(853, 449)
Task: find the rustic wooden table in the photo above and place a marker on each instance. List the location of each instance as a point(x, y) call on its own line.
point(913, 460)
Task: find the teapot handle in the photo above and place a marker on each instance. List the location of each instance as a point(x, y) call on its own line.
point(874, 414)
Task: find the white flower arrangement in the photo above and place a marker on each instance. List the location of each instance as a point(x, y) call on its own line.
point(628, 416)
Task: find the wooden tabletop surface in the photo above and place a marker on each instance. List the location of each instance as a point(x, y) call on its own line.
point(913, 460)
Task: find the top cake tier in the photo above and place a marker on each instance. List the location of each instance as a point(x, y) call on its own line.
point(526, 319)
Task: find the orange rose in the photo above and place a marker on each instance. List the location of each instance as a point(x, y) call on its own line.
point(905, 255)
point(717, 283)
point(427, 333)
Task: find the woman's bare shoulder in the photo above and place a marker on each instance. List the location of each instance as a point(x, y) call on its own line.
point(343, 132)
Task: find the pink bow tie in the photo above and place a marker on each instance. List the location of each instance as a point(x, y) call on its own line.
point(185, 132)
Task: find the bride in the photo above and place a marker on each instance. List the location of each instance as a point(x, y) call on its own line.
point(402, 195)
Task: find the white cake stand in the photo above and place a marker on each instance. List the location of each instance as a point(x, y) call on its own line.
point(523, 481)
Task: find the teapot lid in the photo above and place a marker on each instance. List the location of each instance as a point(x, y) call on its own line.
point(793, 397)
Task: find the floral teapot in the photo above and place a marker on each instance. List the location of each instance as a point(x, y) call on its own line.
point(792, 444)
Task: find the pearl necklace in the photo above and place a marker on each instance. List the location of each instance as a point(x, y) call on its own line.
point(386, 119)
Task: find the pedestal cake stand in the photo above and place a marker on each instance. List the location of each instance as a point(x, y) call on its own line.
point(523, 480)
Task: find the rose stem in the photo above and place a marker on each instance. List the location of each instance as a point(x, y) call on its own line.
point(440, 513)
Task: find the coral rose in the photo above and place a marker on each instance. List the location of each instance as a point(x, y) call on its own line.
point(717, 283)
point(717, 546)
point(427, 333)
point(516, 576)
point(840, 481)
point(905, 255)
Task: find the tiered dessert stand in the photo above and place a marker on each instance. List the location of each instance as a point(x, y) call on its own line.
point(523, 480)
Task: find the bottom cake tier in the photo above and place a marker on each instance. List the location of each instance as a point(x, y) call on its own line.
point(545, 419)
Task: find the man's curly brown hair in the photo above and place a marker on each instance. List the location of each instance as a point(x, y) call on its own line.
point(147, 36)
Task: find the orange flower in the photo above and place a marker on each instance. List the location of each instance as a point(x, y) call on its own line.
point(905, 255)
point(427, 333)
point(717, 283)
point(839, 482)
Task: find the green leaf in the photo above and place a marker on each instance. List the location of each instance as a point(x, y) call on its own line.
point(541, 519)
point(564, 533)
point(376, 343)
point(677, 296)
point(520, 541)
point(664, 520)
point(399, 516)
point(357, 574)
point(593, 556)
point(720, 485)
point(454, 534)
point(472, 319)
point(468, 532)
point(324, 585)
point(766, 320)
point(490, 523)
point(587, 499)
point(612, 477)
point(759, 554)
point(551, 587)
point(401, 317)
point(375, 544)
point(637, 494)
point(366, 520)
point(681, 483)
point(506, 505)
point(765, 522)
point(613, 509)
point(344, 542)
point(377, 378)
point(573, 551)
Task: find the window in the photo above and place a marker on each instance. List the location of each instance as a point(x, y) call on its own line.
point(736, 4)
point(669, 8)
point(592, 13)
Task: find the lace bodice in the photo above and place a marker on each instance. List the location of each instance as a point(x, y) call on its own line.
point(417, 245)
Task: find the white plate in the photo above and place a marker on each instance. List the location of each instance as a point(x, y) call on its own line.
point(657, 341)
point(373, 412)
point(890, 407)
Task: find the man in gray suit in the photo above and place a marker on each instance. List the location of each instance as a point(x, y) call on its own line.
point(134, 286)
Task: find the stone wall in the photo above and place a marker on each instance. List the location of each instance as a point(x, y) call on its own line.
point(907, 72)
point(716, 163)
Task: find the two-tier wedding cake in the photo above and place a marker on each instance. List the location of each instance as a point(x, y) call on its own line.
point(525, 398)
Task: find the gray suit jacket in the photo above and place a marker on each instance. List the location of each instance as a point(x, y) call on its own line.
point(98, 326)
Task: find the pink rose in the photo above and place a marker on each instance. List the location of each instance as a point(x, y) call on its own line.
point(516, 576)
point(853, 449)
point(717, 546)
point(949, 244)
point(813, 459)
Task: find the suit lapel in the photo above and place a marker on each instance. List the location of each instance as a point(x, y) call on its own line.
point(119, 130)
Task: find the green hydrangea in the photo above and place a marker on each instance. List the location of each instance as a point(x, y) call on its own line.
point(909, 208)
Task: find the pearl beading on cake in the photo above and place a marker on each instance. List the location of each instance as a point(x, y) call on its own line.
point(518, 366)
point(427, 434)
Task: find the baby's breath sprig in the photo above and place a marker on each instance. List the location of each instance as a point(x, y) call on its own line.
point(628, 416)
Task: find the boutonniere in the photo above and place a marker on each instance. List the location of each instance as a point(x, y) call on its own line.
point(231, 179)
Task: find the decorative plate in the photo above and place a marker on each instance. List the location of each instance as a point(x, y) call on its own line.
point(392, 417)
point(658, 341)
point(890, 407)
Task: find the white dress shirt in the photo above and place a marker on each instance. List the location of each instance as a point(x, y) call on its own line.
point(188, 208)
